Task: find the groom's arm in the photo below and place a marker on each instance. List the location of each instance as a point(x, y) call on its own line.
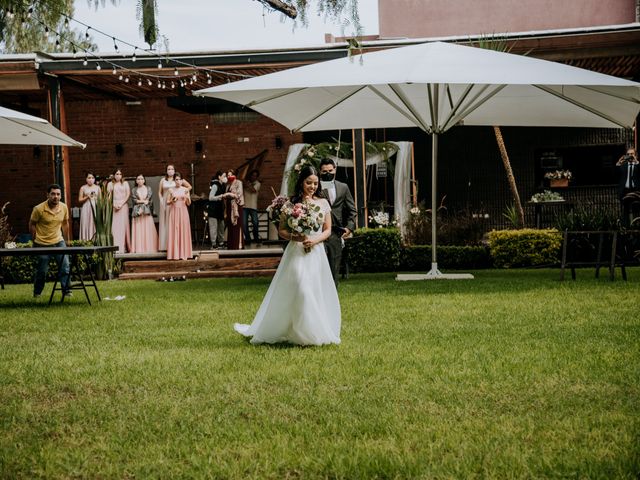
point(349, 208)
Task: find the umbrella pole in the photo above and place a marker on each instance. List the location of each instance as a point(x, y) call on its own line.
point(434, 272)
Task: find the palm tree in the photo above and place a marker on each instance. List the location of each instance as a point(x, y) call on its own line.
point(501, 45)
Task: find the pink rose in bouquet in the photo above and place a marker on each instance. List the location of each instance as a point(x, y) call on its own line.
point(302, 218)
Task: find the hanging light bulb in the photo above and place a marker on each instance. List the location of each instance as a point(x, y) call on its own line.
point(75, 52)
point(159, 84)
point(149, 82)
point(173, 85)
point(115, 45)
point(57, 44)
point(133, 59)
point(209, 80)
point(175, 72)
point(126, 80)
point(85, 61)
point(120, 77)
point(86, 34)
point(195, 77)
point(66, 22)
point(164, 85)
point(139, 82)
point(159, 63)
point(30, 12)
point(98, 67)
point(114, 70)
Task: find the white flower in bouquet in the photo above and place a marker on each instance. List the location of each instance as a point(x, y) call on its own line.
point(415, 211)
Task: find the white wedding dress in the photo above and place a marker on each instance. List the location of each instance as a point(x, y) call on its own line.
point(301, 305)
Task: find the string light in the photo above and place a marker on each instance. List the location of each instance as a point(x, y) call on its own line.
point(124, 74)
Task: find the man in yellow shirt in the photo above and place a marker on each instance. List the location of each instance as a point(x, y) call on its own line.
point(49, 227)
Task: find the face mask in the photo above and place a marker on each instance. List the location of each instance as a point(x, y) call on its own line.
point(327, 177)
point(231, 178)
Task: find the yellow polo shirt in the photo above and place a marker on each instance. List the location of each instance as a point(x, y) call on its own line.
point(49, 223)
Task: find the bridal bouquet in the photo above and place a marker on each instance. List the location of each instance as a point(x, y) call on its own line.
point(302, 218)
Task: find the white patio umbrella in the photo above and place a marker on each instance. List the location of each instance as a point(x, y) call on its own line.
point(18, 128)
point(435, 86)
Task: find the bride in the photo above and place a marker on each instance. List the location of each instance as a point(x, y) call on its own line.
point(301, 305)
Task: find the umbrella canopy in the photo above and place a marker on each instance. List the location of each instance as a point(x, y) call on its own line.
point(435, 86)
point(18, 128)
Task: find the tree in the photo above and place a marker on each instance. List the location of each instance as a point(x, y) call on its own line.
point(501, 45)
point(24, 28)
point(22, 24)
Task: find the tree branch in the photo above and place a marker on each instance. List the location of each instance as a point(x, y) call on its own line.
point(289, 10)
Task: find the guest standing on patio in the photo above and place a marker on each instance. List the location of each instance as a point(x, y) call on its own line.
point(87, 196)
point(166, 184)
point(250, 211)
point(49, 227)
point(178, 225)
point(628, 184)
point(144, 238)
point(235, 204)
point(215, 209)
point(120, 192)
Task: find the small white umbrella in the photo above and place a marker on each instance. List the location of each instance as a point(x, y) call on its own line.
point(435, 86)
point(18, 128)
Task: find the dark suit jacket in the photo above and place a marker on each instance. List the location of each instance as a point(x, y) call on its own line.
point(343, 208)
point(622, 178)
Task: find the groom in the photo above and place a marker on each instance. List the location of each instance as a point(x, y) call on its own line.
point(343, 214)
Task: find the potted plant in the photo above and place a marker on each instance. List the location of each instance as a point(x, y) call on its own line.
point(558, 178)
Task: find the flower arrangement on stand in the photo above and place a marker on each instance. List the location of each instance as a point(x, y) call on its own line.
point(381, 219)
point(558, 178)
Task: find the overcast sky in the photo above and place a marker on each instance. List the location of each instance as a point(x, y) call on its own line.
point(214, 24)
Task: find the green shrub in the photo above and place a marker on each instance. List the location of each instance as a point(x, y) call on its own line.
point(21, 269)
point(589, 218)
point(418, 257)
point(373, 250)
point(524, 248)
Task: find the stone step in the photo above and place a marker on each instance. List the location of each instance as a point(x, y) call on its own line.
point(157, 275)
point(202, 264)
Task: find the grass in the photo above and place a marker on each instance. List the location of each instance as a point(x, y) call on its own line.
point(511, 375)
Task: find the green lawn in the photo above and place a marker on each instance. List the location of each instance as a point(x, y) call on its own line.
point(513, 374)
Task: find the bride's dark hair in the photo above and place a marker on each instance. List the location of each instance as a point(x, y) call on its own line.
point(304, 173)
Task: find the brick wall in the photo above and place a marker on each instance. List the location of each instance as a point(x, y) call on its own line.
point(152, 135)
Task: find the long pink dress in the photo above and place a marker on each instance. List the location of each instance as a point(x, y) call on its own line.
point(120, 222)
point(163, 212)
point(178, 227)
point(144, 238)
point(87, 221)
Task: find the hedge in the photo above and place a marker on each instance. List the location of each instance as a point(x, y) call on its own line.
point(525, 248)
point(21, 269)
point(373, 250)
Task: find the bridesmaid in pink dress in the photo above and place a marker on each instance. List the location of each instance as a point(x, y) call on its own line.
point(178, 224)
point(144, 238)
point(166, 183)
point(120, 193)
point(87, 198)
